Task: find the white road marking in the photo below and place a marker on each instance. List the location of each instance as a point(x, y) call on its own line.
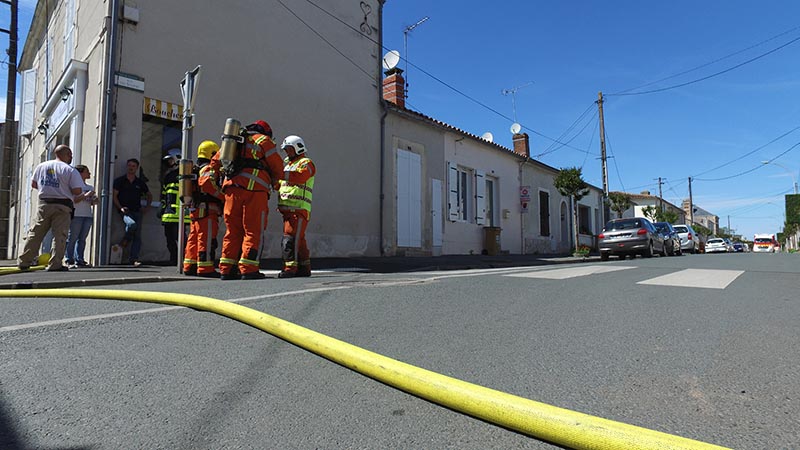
point(48, 323)
point(696, 278)
point(572, 272)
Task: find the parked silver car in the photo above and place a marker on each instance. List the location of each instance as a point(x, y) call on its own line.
point(632, 236)
point(690, 240)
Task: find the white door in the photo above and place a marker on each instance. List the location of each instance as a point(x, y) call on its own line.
point(436, 211)
point(409, 199)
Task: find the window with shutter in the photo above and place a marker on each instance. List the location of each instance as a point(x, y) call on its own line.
point(69, 31)
point(452, 192)
point(480, 198)
point(28, 100)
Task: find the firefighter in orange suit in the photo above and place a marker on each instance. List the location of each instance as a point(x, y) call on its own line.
point(246, 196)
point(207, 201)
point(294, 205)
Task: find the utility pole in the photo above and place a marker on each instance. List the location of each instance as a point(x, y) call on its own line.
point(9, 136)
point(660, 196)
point(691, 204)
point(603, 155)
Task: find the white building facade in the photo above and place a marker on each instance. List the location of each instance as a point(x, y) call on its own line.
point(103, 77)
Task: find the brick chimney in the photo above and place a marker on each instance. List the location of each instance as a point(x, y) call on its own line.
point(394, 87)
point(521, 146)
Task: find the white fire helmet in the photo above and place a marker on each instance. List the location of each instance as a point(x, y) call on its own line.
point(173, 156)
point(296, 142)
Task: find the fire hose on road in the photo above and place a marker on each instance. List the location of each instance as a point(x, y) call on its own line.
point(550, 423)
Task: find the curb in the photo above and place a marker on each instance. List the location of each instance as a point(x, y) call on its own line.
point(95, 282)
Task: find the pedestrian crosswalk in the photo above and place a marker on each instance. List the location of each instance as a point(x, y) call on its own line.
point(570, 272)
point(700, 278)
point(694, 278)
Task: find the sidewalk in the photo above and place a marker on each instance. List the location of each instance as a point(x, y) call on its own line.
point(120, 274)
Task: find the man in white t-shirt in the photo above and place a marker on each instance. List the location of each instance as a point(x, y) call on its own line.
point(58, 183)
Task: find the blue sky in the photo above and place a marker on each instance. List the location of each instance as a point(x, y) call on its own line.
point(573, 50)
point(559, 54)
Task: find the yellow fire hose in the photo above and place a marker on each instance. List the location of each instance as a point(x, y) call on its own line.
point(557, 425)
point(41, 261)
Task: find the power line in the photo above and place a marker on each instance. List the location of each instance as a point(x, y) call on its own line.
point(751, 170)
point(652, 91)
point(709, 63)
point(749, 153)
point(370, 76)
point(478, 102)
point(614, 160)
point(552, 148)
point(591, 141)
point(549, 148)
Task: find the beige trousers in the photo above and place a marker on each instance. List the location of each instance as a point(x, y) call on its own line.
point(49, 217)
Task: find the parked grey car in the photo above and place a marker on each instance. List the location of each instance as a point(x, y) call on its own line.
point(690, 240)
point(632, 236)
point(672, 242)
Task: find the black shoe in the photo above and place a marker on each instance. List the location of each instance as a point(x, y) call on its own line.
point(23, 267)
point(211, 275)
point(254, 276)
point(287, 274)
point(228, 276)
point(304, 271)
point(59, 269)
point(190, 273)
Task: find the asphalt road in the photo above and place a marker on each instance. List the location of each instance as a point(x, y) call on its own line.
point(636, 341)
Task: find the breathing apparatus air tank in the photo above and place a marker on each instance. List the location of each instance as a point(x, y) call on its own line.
point(229, 148)
point(187, 177)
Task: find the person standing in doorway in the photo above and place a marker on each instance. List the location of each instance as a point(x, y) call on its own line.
point(294, 204)
point(81, 222)
point(129, 190)
point(170, 212)
point(58, 183)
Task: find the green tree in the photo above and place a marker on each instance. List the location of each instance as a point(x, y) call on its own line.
point(651, 212)
point(701, 230)
point(668, 216)
point(619, 202)
point(569, 183)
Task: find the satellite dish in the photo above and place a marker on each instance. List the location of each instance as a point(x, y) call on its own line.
point(487, 136)
point(390, 59)
point(515, 128)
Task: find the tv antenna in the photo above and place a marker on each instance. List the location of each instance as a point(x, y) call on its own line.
point(407, 30)
point(513, 92)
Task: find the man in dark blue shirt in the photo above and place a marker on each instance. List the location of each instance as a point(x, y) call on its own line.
point(129, 190)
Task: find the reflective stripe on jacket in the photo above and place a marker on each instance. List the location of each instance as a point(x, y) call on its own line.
point(170, 204)
point(297, 185)
point(259, 148)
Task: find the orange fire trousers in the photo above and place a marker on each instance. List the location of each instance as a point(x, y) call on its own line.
point(295, 247)
point(246, 220)
point(199, 254)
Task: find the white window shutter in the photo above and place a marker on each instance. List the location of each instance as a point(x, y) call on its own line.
point(28, 98)
point(480, 198)
point(452, 193)
point(69, 31)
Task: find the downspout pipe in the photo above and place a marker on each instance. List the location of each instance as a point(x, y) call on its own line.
point(521, 214)
point(383, 132)
point(107, 127)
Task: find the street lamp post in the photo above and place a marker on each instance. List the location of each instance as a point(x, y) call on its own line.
point(794, 180)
